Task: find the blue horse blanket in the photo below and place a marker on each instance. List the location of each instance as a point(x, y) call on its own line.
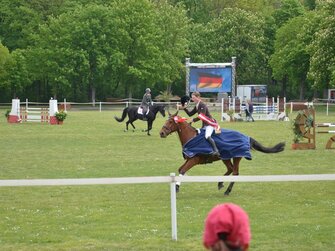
point(229, 142)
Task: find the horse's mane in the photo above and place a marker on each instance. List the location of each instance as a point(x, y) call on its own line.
point(185, 123)
point(190, 126)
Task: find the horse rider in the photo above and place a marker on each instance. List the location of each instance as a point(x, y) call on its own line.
point(146, 103)
point(208, 123)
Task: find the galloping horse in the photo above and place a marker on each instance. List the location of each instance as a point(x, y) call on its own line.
point(133, 115)
point(232, 148)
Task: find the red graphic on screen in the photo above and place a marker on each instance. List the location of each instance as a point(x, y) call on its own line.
point(208, 80)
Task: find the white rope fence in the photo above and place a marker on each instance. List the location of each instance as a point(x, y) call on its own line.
point(172, 179)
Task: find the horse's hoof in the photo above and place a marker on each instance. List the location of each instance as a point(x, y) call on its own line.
point(220, 185)
point(226, 193)
point(177, 188)
point(125, 130)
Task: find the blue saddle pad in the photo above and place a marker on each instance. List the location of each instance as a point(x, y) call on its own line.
point(229, 142)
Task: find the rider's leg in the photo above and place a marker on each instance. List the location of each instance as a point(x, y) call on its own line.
point(208, 133)
point(145, 109)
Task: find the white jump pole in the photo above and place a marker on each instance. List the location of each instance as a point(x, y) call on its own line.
point(53, 109)
point(65, 105)
point(173, 206)
point(222, 103)
point(14, 115)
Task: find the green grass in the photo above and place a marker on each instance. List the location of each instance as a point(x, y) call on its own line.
point(284, 216)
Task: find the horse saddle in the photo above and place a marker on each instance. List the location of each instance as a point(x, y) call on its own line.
point(142, 110)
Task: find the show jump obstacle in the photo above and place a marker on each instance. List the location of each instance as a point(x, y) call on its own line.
point(332, 138)
point(304, 127)
point(269, 110)
point(21, 114)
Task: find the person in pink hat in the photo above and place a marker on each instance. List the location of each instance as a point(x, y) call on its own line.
point(227, 228)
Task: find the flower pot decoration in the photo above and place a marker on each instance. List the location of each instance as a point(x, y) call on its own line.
point(61, 116)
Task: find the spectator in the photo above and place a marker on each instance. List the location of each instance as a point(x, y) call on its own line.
point(249, 109)
point(227, 228)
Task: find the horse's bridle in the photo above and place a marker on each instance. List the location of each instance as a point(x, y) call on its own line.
point(167, 129)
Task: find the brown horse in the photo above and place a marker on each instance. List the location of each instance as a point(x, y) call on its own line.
point(186, 132)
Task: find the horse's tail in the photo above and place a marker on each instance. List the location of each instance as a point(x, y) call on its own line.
point(124, 115)
point(259, 147)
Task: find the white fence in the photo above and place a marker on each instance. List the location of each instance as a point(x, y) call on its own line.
point(172, 179)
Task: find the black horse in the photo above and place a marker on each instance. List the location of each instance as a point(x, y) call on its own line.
point(133, 115)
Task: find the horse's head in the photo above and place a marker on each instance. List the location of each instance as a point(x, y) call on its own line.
point(170, 125)
point(162, 110)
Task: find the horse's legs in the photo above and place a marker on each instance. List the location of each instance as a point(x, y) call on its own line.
point(132, 125)
point(149, 126)
point(189, 163)
point(236, 165)
point(127, 123)
point(230, 168)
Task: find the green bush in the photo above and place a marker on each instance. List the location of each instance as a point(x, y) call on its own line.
point(61, 115)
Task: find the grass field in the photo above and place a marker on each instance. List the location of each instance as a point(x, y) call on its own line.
point(91, 144)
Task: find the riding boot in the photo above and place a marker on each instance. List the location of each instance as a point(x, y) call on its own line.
point(212, 143)
point(145, 115)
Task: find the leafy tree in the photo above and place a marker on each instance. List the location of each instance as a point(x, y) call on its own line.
point(322, 68)
point(291, 57)
point(16, 75)
point(174, 29)
point(288, 9)
point(79, 48)
point(4, 57)
point(203, 11)
point(235, 33)
point(21, 18)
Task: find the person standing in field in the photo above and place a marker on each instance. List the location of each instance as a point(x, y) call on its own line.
point(249, 109)
point(227, 228)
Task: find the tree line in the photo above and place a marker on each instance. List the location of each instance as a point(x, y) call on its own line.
point(86, 50)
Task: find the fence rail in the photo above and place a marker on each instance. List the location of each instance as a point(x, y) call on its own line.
point(329, 105)
point(172, 179)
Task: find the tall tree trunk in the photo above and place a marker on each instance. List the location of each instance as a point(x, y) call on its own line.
point(284, 86)
point(302, 89)
point(93, 95)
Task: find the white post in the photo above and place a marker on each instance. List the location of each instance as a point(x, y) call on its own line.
point(65, 105)
point(285, 105)
point(273, 105)
point(291, 107)
point(100, 106)
point(15, 108)
point(233, 77)
point(327, 108)
point(278, 98)
point(173, 206)
point(53, 109)
point(187, 65)
point(14, 115)
point(26, 104)
point(222, 103)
